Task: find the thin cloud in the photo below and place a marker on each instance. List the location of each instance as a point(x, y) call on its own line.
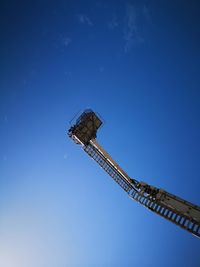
point(66, 41)
point(131, 29)
point(113, 23)
point(84, 19)
point(135, 18)
point(146, 13)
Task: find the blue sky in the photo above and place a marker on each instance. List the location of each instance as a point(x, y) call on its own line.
point(137, 64)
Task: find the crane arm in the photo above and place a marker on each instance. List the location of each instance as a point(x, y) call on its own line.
point(180, 212)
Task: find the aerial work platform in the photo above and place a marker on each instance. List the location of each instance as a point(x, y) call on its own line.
point(175, 209)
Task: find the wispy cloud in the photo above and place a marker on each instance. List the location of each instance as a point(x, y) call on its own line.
point(146, 13)
point(66, 41)
point(113, 23)
point(84, 19)
point(134, 20)
point(131, 29)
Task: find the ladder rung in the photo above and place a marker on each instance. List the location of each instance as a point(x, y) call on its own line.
point(144, 201)
point(162, 210)
point(186, 223)
point(174, 217)
point(182, 221)
point(158, 208)
point(149, 203)
point(197, 229)
point(179, 218)
point(170, 214)
point(194, 227)
point(138, 197)
point(155, 206)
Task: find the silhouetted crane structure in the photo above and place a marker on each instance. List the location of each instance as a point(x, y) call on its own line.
point(173, 208)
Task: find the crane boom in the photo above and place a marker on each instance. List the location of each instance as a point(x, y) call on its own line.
point(178, 211)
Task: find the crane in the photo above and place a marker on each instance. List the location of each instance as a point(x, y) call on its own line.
point(173, 208)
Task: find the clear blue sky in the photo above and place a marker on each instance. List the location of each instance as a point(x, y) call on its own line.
point(137, 64)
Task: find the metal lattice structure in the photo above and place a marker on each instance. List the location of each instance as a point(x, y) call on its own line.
point(178, 211)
